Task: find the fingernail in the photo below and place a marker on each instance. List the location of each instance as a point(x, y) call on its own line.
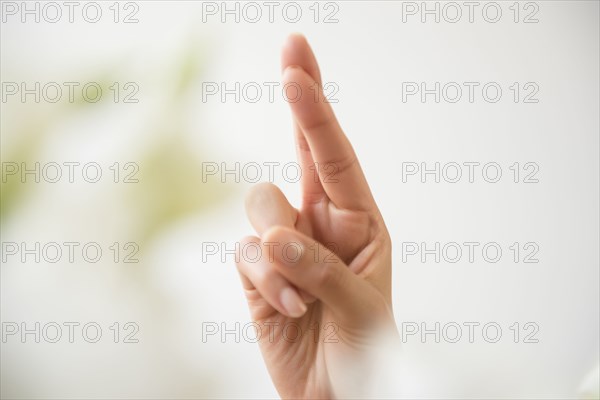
point(289, 69)
point(293, 304)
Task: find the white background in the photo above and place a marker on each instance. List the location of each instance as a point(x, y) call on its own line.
point(368, 53)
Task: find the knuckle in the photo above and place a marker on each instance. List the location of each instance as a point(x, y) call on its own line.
point(262, 277)
point(329, 275)
point(345, 164)
point(245, 252)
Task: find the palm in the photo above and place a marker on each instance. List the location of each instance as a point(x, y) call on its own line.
point(305, 354)
point(295, 349)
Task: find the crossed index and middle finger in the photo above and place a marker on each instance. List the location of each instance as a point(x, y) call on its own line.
point(322, 144)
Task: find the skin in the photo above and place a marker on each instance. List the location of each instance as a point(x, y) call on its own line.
point(340, 295)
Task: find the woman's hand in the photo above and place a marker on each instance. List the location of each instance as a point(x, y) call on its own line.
point(321, 288)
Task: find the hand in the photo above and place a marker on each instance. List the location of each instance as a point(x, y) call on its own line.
point(336, 300)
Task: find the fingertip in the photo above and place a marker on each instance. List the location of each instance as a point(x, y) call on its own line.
point(266, 205)
point(255, 194)
point(294, 44)
point(297, 51)
point(295, 40)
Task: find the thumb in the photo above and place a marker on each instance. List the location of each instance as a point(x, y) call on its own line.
point(315, 269)
point(267, 206)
